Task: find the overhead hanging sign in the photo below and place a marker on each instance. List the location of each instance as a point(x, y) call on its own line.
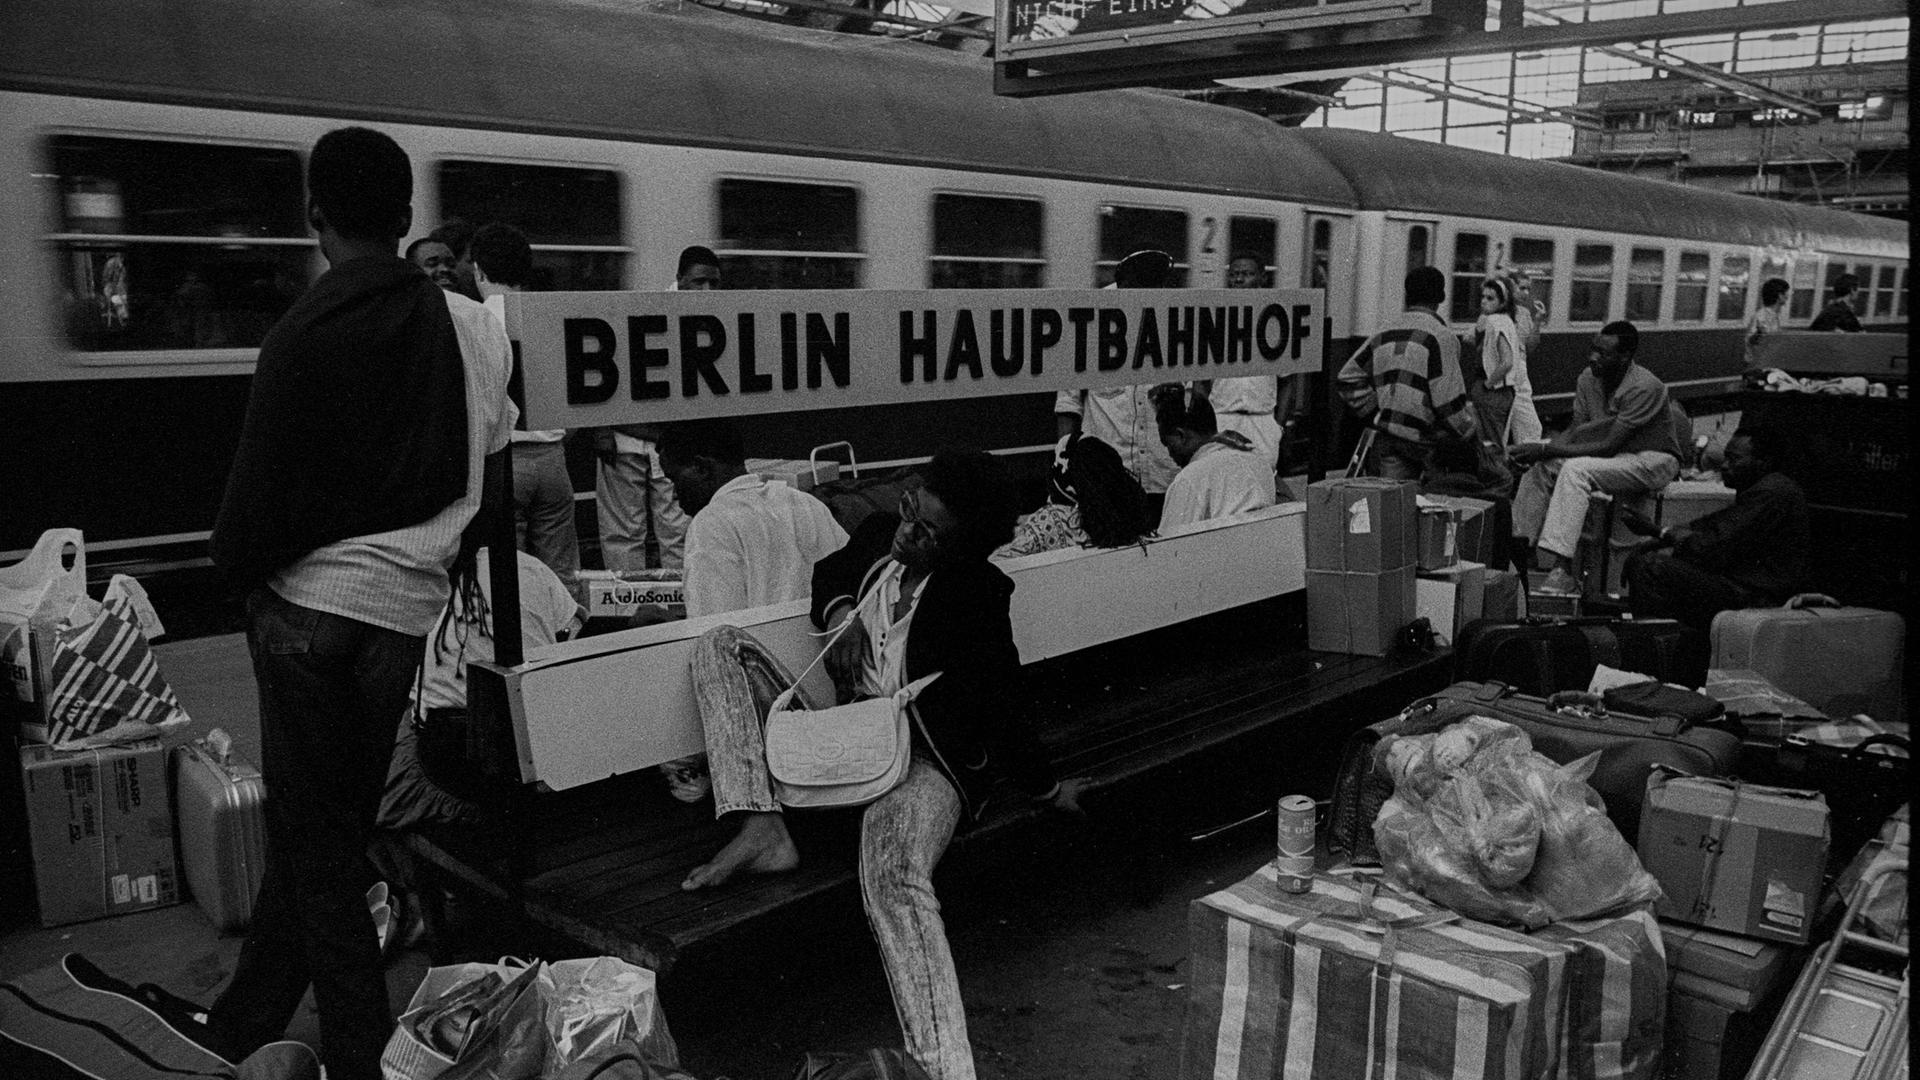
point(594, 359)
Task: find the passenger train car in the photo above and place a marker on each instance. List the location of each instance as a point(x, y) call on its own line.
point(152, 227)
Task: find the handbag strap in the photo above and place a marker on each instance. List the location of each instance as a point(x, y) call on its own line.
point(824, 649)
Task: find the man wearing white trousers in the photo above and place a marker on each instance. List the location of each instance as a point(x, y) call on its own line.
point(1621, 442)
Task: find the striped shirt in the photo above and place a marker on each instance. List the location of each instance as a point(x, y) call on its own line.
point(398, 579)
point(1406, 379)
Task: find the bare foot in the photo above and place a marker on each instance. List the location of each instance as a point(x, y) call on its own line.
point(761, 847)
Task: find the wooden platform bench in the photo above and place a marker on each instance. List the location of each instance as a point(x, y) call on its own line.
point(601, 864)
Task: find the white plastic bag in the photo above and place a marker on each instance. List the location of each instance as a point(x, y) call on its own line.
point(595, 1002)
point(35, 594)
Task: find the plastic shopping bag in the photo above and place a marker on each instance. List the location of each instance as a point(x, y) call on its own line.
point(35, 594)
point(105, 686)
point(593, 1004)
point(471, 1022)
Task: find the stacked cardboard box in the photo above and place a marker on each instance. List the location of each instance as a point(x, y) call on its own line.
point(1736, 857)
point(1451, 598)
point(101, 823)
point(1362, 547)
point(1722, 998)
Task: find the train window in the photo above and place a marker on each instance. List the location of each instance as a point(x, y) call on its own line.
point(1419, 247)
point(1469, 267)
point(571, 217)
point(1883, 292)
point(1736, 280)
point(1806, 279)
point(983, 243)
point(1592, 286)
point(1258, 237)
point(1900, 295)
point(779, 235)
point(1535, 256)
point(1690, 288)
point(174, 245)
point(1127, 229)
point(1863, 276)
point(1646, 269)
point(1318, 271)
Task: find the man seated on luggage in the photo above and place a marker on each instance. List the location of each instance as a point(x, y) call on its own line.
point(1405, 381)
point(1220, 471)
point(1750, 554)
point(1621, 441)
point(751, 542)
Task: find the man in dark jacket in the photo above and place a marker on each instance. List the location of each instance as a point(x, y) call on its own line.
point(1839, 313)
point(1750, 554)
point(916, 595)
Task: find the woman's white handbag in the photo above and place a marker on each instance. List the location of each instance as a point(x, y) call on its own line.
point(848, 755)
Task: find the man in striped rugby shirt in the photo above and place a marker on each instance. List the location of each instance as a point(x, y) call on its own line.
point(1405, 382)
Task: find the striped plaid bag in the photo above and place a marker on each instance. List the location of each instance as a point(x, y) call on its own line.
point(1616, 996)
point(1337, 984)
point(105, 685)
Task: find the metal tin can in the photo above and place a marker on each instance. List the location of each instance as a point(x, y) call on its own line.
point(1296, 825)
point(1295, 873)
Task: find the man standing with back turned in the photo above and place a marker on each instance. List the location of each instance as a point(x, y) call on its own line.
point(374, 403)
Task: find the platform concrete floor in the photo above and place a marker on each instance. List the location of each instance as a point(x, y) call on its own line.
point(1071, 952)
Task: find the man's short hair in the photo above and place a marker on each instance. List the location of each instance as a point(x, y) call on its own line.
point(1148, 268)
point(1773, 289)
point(976, 489)
point(1181, 408)
point(362, 181)
point(693, 256)
point(1426, 287)
point(502, 252)
point(1771, 442)
point(413, 249)
point(456, 233)
point(1253, 257)
point(1845, 284)
point(1627, 334)
point(716, 437)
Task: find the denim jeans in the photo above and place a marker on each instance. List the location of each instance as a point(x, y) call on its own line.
point(902, 836)
point(331, 690)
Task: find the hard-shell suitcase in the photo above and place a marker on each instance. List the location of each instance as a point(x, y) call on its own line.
point(1545, 655)
point(1565, 727)
point(1840, 660)
point(223, 830)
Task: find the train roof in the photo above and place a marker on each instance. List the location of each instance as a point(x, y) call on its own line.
point(669, 73)
point(1390, 173)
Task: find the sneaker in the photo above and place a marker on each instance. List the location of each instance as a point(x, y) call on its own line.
point(1559, 582)
point(687, 778)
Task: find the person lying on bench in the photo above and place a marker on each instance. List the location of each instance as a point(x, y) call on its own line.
point(1219, 472)
point(1621, 442)
point(1092, 501)
point(1750, 554)
point(923, 598)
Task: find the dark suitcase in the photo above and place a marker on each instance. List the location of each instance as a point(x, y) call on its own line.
point(1564, 728)
point(223, 829)
point(1545, 656)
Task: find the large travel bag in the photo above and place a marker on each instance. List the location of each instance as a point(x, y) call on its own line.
point(223, 829)
point(1840, 660)
point(1565, 727)
point(851, 497)
point(1545, 655)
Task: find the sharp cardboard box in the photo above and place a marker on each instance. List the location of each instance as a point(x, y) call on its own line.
point(1737, 857)
point(793, 472)
point(1361, 524)
point(102, 830)
point(1684, 502)
point(1472, 525)
point(610, 594)
point(1358, 612)
point(1451, 598)
point(1748, 969)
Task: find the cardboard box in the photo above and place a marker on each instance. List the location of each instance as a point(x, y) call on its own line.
point(1742, 858)
point(1451, 598)
point(101, 824)
point(609, 594)
point(1358, 612)
point(1748, 969)
point(1364, 524)
point(1475, 531)
point(1684, 502)
point(794, 472)
point(1439, 531)
point(1707, 1040)
point(1503, 598)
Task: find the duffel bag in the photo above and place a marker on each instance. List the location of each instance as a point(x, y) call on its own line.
point(1545, 656)
point(1563, 728)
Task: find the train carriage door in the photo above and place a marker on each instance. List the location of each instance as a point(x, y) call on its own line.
point(1407, 245)
point(1327, 262)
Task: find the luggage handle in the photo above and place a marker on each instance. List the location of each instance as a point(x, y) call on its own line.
point(219, 744)
point(1802, 601)
point(813, 459)
point(1579, 702)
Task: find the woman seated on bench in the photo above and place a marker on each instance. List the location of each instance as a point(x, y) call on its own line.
point(1092, 501)
point(926, 599)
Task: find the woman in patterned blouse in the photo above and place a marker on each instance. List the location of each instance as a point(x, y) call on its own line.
point(1092, 501)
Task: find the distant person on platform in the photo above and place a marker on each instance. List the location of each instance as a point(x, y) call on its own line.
point(375, 401)
point(1839, 313)
point(457, 234)
point(1121, 416)
point(1503, 361)
point(1750, 554)
point(1529, 311)
point(1766, 317)
point(635, 497)
point(1220, 472)
point(542, 490)
point(1622, 441)
point(1405, 382)
point(1251, 405)
point(1092, 501)
point(436, 258)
